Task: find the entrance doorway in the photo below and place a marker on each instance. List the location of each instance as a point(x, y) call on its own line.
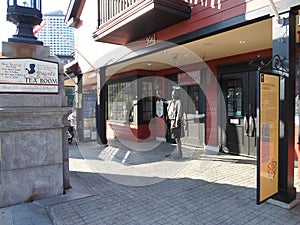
point(194, 104)
point(192, 95)
point(239, 90)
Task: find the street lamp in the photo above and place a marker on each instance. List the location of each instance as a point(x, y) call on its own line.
point(25, 14)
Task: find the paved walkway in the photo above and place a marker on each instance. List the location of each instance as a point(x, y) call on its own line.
point(136, 184)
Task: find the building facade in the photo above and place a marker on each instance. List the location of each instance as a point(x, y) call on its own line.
point(213, 51)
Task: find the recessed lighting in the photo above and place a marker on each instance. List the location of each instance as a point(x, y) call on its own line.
point(242, 42)
point(149, 64)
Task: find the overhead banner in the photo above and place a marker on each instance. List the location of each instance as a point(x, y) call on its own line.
point(267, 168)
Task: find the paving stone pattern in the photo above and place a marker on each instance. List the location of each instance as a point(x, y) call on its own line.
point(120, 185)
point(222, 193)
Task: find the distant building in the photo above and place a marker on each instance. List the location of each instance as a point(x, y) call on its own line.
point(55, 33)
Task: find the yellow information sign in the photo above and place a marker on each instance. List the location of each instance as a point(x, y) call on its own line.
point(267, 182)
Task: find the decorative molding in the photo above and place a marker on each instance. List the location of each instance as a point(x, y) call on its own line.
point(140, 19)
point(277, 64)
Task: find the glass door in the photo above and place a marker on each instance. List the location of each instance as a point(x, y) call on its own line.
point(240, 96)
point(194, 108)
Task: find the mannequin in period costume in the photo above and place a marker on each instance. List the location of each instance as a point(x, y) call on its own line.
point(174, 111)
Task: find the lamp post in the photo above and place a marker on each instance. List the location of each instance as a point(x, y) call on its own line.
point(25, 14)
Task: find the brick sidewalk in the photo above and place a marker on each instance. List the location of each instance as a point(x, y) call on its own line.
point(125, 186)
point(203, 188)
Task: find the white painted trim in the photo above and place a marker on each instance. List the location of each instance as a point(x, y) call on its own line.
point(211, 148)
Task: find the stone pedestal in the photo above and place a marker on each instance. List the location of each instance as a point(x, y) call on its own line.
point(33, 143)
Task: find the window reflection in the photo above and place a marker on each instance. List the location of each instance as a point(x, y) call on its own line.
point(234, 98)
point(128, 103)
point(120, 98)
point(147, 101)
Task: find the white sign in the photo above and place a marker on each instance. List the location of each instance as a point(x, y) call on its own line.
point(159, 108)
point(28, 76)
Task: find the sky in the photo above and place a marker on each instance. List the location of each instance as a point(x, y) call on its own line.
point(8, 28)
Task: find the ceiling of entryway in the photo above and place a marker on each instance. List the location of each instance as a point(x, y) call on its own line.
point(250, 38)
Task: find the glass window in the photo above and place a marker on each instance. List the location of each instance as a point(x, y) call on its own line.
point(192, 104)
point(70, 93)
point(120, 98)
point(146, 101)
point(128, 103)
point(234, 97)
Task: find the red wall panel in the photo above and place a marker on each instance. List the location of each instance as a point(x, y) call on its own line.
point(203, 16)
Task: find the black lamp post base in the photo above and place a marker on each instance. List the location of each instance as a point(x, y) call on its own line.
point(25, 34)
point(25, 18)
point(24, 40)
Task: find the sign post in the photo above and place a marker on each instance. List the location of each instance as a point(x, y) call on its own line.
point(268, 136)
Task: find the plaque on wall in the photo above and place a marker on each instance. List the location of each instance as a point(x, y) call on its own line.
point(28, 75)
